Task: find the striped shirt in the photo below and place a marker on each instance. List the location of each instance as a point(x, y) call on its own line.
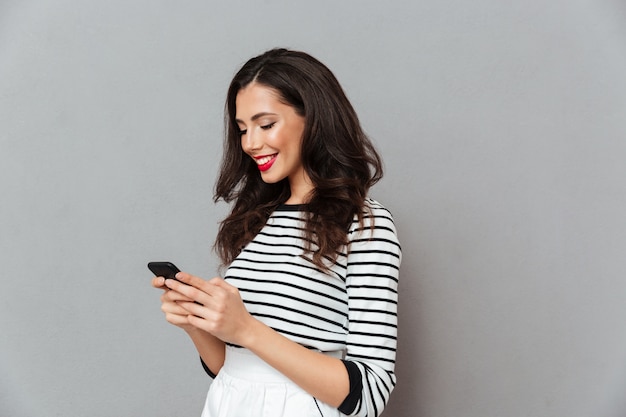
point(352, 309)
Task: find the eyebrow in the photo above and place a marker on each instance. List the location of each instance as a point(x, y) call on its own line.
point(257, 116)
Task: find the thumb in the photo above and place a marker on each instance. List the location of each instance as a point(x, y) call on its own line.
point(159, 282)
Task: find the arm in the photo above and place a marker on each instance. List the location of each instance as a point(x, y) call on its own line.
point(372, 282)
point(212, 350)
point(323, 377)
point(223, 315)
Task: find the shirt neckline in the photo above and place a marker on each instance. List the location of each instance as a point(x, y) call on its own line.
point(291, 207)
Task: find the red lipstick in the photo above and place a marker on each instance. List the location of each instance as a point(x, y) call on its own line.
point(266, 165)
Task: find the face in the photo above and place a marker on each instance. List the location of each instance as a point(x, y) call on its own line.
point(271, 134)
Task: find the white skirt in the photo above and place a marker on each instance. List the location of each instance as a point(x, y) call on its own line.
point(246, 386)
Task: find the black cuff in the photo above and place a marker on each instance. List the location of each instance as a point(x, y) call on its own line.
point(356, 387)
point(207, 370)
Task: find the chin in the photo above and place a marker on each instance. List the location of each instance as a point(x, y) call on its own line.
point(270, 179)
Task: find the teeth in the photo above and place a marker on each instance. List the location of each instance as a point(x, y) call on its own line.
point(265, 159)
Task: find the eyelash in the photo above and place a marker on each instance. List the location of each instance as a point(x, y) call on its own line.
point(265, 127)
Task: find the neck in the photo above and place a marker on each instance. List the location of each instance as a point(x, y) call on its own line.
point(300, 190)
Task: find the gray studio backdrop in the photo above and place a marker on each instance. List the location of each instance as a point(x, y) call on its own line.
point(503, 129)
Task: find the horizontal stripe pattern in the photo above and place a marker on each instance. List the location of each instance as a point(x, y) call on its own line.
point(352, 309)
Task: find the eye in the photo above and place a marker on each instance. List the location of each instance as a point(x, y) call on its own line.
point(269, 126)
point(242, 132)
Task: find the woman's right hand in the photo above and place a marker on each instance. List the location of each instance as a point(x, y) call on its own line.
point(174, 312)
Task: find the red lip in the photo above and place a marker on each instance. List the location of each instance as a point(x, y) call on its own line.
point(267, 165)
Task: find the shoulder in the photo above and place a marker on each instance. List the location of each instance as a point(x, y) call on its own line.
point(374, 214)
point(376, 210)
point(377, 223)
point(374, 238)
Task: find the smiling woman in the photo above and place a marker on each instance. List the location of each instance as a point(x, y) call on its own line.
point(271, 133)
point(304, 321)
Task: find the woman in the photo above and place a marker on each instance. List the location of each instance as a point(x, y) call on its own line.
point(304, 321)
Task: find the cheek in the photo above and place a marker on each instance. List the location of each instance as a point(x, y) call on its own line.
point(275, 139)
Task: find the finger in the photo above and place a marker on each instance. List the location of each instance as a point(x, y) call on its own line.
point(176, 307)
point(173, 296)
point(207, 287)
point(158, 282)
point(195, 309)
point(193, 281)
point(177, 319)
point(193, 293)
point(200, 323)
point(219, 282)
point(210, 325)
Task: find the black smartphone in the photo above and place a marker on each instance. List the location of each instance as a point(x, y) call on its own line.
point(166, 270)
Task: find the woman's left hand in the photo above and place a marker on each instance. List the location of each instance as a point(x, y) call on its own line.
point(218, 308)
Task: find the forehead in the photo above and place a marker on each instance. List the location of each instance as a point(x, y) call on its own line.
point(255, 98)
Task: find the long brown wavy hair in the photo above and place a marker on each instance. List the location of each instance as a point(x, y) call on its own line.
point(336, 154)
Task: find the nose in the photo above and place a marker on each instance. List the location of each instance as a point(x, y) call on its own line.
point(250, 142)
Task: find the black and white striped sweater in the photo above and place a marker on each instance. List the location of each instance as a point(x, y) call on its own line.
point(353, 309)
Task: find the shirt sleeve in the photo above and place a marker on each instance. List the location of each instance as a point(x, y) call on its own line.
point(374, 257)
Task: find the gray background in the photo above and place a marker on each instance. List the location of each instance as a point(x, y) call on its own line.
point(503, 129)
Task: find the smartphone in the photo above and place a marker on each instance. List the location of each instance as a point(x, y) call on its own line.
point(166, 270)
